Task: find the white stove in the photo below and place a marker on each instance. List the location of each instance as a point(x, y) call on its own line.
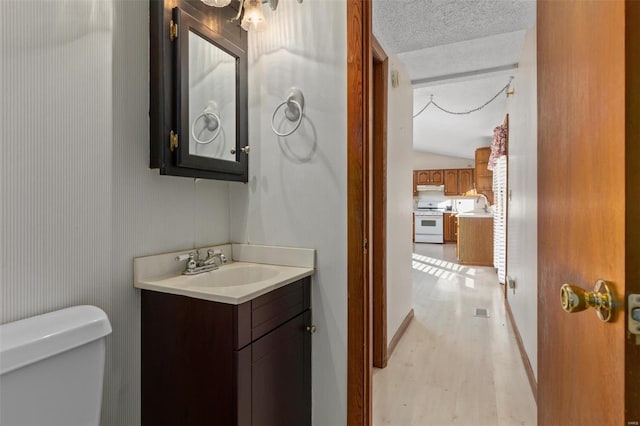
point(429, 220)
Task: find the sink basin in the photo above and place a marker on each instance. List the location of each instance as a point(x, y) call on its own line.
point(233, 275)
point(252, 272)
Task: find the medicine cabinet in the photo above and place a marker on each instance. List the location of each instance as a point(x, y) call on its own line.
point(198, 91)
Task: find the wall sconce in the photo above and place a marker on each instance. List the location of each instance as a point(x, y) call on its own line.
point(253, 18)
point(216, 3)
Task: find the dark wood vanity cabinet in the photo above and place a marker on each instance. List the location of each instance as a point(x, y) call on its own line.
point(210, 363)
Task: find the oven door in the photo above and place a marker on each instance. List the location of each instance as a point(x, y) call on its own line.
point(428, 229)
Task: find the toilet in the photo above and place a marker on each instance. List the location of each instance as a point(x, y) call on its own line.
point(52, 367)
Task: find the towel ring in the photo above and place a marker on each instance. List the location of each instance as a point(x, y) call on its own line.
point(293, 112)
point(207, 115)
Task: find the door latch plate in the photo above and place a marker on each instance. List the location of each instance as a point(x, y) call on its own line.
point(634, 314)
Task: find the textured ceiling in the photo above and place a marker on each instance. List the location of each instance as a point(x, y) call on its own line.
point(469, 55)
point(454, 42)
point(406, 25)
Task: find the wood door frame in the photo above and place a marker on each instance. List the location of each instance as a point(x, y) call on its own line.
point(359, 307)
point(632, 199)
point(379, 198)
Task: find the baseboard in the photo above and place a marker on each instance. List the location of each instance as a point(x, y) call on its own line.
point(396, 337)
point(523, 353)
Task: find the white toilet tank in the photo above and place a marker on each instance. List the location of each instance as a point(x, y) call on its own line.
point(51, 368)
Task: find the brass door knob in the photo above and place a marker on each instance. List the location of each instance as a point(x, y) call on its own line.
point(575, 299)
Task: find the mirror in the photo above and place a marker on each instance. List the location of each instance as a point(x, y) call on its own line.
point(198, 93)
point(212, 100)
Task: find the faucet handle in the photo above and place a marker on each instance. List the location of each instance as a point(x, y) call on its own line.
point(190, 258)
point(212, 254)
point(187, 256)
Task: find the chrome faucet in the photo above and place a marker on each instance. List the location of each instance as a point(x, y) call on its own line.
point(486, 201)
point(195, 265)
point(212, 255)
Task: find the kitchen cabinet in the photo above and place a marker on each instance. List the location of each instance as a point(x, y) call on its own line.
point(475, 241)
point(451, 182)
point(465, 180)
point(457, 181)
point(213, 363)
point(422, 177)
point(484, 176)
point(429, 177)
point(450, 228)
point(436, 177)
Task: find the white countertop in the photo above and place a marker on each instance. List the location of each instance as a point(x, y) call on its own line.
point(476, 214)
point(196, 285)
point(254, 271)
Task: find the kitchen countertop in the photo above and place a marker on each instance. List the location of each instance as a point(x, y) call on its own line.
point(476, 214)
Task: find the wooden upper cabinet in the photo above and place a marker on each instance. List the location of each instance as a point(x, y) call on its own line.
point(423, 177)
point(465, 181)
point(428, 177)
point(436, 177)
point(455, 181)
point(451, 181)
point(484, 176)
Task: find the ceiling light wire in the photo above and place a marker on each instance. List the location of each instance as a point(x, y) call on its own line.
point(432, 102)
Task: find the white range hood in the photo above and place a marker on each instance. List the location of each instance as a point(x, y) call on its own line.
point(430, 188)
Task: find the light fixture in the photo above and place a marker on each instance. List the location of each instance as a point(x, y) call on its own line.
point(216, 3)
point(253, 18)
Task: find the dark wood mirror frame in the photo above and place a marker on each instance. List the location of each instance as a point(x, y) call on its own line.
point(168, 109)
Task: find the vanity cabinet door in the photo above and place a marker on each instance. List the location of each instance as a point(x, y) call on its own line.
point(281, 375)
point(210, 363)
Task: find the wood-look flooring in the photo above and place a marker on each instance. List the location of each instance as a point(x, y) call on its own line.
point(452, 368)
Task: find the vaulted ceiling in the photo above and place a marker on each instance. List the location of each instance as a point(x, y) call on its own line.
point(460, 51)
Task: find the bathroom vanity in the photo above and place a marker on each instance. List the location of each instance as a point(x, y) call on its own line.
point(242, 361)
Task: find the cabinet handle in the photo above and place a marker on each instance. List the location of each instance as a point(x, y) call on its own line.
point(311, 329)
point(244, 150)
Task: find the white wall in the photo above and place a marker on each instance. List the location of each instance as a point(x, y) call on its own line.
point(78, 201)
point(426, 160)
point(296, 194)
point(399, 198)
point(522, 260)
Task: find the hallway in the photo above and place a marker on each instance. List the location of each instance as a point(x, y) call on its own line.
point(452, 368)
